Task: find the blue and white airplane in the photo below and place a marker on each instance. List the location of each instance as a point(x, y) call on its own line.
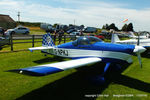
point(85, 50)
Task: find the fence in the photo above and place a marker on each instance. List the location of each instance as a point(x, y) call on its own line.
point(38, 38)
point(35, 39)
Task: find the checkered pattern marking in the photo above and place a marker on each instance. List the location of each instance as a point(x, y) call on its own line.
point(47, 40)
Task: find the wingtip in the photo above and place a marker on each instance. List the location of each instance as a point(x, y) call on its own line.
point(24, 72)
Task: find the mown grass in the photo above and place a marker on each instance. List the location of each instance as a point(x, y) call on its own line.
point(36, 30)
point(71, 84)
point(132, 81)
point(13, 85)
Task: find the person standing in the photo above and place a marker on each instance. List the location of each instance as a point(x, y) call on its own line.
point(81, 33)
point(60, 34)
point(54, 36)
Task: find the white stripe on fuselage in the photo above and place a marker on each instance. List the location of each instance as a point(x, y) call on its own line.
point(71, 53)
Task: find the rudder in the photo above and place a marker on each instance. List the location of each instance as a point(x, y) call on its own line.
point(47, 40)
point(114, 38)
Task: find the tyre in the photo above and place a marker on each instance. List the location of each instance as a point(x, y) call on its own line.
point(27, 32)
point(12, 33)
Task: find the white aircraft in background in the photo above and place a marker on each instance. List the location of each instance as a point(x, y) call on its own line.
point(140, 41)
point(141, 35)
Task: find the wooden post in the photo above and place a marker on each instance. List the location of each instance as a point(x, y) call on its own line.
point(64, 38)
point(11, 42)
point(75, 37)
point(32, 40)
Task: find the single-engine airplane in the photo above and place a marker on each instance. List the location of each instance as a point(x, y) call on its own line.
point(141, 35)
point(85, 50)
point(140, 41)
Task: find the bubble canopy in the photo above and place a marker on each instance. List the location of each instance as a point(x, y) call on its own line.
point(86, 40)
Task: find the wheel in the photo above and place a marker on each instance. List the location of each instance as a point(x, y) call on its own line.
point(12, 33)
point(27, 32)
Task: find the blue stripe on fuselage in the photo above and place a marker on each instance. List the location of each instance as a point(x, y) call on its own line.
point(101, 46)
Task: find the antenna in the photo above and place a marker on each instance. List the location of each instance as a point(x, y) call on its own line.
point(74, 21)
point(18, 16)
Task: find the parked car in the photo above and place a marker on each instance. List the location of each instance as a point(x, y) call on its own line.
point(47, 27)
point(90, 30)
point(4, 41)
point(18, 30)
point(74, 35)
point(100, 36)
point(71, 30)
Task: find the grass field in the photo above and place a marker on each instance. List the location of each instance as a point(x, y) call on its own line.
point(130, 83)
point(36, 30)
point(71, 84)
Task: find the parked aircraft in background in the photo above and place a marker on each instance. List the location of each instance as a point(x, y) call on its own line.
point(142, 42)
point(141, 35)
point(83, 51)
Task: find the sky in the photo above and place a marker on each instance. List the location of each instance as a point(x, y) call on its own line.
point(94, 13)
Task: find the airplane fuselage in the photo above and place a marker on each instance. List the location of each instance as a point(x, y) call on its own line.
point(83, 51)
point(106, 51)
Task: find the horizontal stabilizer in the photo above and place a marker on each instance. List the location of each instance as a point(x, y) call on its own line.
point(57, 67)
point(40, 48)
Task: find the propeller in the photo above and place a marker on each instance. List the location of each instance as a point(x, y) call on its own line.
point(139, 58)
point(138, 41)
point(138, 50)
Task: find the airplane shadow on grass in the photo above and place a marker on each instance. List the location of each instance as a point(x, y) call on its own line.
point(49, 59)
point(77, 85)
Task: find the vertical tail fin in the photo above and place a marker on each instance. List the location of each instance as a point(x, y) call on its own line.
point(47, 40)
point(114, 38)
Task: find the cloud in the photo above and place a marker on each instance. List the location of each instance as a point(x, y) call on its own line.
point(7, 3)
point(89, 13)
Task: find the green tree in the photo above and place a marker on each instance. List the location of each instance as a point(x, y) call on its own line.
point(130, 27)
point(112, 26)
point(107, 27)
point(124, 28)
point(103, 27)
point(55, 25)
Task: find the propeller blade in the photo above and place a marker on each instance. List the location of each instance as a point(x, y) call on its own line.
point(139, 58)
point(138, 41)
point(138, 50)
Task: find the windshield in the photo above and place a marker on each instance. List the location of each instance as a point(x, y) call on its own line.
point(86, 40)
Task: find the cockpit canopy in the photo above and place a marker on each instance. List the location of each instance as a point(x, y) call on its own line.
point(86, 40)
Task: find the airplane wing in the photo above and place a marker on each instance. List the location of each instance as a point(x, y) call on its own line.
point(40, 48)
point(57, 67)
